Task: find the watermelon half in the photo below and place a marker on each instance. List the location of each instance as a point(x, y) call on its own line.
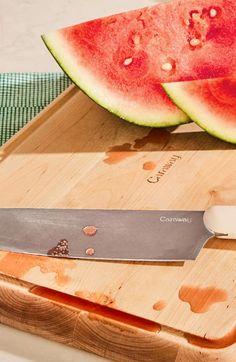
point(120, 60)
point(210, 103)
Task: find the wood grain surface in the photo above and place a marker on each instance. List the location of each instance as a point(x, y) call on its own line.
point(75, 322)
point(76, 154)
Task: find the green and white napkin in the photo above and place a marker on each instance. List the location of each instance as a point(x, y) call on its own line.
point(23, 95)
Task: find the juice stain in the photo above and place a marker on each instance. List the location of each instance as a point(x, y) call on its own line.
point(148, 166)
point(17, 265)
point(119, 153)
point(61, 249)
point(159, 305)
point(95, 310)
point(201, 299)
point(89, 230)
point(95, 297)
point(223, 342)
point(155, 136)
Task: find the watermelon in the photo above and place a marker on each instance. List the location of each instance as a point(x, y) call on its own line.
point(210, 103)
point(120, 60)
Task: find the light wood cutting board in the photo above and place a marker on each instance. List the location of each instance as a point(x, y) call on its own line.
point(76, 154)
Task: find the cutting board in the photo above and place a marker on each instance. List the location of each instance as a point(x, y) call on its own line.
point(76, 154)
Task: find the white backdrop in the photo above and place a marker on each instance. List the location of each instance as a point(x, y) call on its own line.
point(23, 21)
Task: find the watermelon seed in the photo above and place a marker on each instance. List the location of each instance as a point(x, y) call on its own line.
point(136, 40)
point(187, 22)
point(196, 16)
point(213, 13)
point(167, 67)
point(194, 42)
point(142, 22)
point(128, 61)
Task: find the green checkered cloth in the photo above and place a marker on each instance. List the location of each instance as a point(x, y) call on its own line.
point(23, 95)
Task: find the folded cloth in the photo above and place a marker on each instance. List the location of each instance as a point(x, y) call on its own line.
point(23, 95)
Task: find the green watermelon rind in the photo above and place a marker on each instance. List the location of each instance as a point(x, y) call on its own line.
point(199, 113)
point(172, 120)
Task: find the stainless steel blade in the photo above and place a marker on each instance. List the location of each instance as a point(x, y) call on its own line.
point(121, 234)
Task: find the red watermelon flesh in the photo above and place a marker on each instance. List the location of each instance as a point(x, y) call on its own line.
point(120, 60)
point(210, 103)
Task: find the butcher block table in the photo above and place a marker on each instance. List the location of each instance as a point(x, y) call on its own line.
point(75, 154)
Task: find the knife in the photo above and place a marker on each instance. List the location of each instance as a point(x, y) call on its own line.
point(101, 234)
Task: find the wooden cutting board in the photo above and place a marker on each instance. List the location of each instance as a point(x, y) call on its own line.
point(76, 154)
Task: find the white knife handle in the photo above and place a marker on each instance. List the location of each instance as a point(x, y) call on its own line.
point(221, 221)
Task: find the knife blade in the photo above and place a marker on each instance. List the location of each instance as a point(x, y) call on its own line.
point(102, 234)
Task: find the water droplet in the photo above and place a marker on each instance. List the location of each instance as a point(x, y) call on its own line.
point(90, 251)
point(89, 230)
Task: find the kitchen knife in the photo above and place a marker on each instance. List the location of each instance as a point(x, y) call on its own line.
point(134, 235)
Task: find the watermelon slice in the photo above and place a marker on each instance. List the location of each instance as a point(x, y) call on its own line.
point(210, 103)
point(120, 60)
